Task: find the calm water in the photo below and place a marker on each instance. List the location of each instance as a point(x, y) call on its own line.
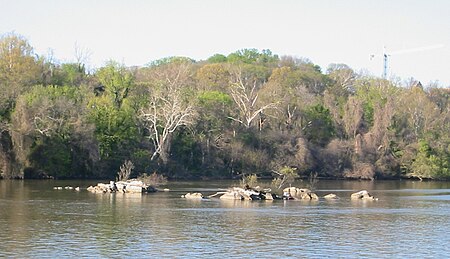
point(410, 220)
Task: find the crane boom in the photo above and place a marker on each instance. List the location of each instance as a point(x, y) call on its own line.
point(386, 54)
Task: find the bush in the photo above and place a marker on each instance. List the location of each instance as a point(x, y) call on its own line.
point(249, 181)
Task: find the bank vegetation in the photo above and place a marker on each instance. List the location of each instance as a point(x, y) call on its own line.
point(248, 112)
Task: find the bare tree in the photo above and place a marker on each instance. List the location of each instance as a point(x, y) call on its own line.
point(125, 171)
point(168, 110)
point(245, 95)
point(342, 75)
point(82, 56)
point(353, 116)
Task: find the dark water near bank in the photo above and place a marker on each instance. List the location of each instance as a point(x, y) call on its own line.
point(410, 220)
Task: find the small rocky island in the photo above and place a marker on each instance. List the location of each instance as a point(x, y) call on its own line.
point(128, 186)
point(147, 184)
point(290, 193)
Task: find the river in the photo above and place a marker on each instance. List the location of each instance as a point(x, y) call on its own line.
point(410, 220)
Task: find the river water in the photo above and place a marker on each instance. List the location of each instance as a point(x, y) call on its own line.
point(410, 220)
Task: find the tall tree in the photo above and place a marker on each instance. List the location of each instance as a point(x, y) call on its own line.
point(18, 70)
point(169, 108)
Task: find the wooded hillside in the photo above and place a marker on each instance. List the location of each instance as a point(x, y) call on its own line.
point(249, 112)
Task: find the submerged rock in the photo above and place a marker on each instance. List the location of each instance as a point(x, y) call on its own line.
point(331, 196)
point(193, 196)
point(362, 195)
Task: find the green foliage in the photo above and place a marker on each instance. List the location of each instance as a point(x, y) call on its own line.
point(53, 156)
point(19, 70)
point(187, 151)
point(117, 81)
point(246, 112)
point(429, 163)
point(373, 93)
point(217, 58)
point(286, 176)
point(170, 60)
point(71, 74)
point(212, 98)
point(252, 56)
point(318, 127)
point(115, 128)
point(214, 107)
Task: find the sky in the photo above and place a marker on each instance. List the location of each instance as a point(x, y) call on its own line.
point(135, 32)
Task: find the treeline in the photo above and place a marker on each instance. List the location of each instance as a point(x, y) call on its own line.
point(245, 113)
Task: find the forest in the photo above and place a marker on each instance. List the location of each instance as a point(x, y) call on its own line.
point(248, 112)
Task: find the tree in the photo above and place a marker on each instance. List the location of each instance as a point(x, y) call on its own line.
point(217, 58)
point(213, 77)
point(169, 106)
point(342, 77)
point(213, 108)
point(319, 126)
point(353, 116)
point(253, 56)
point(18, 70)
point(285, 88)
point(117, 81)
point(244, 91)
point(286, 176)
point(51, 134)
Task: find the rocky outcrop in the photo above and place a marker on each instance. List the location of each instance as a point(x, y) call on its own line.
point(299, 194)
point(129, 186)
point(362, 195)
point(237, 193)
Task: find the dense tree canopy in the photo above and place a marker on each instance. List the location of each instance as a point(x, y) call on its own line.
point(248, 112)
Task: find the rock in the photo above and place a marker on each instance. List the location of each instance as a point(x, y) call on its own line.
point(268, 196)
point(313, 196)
point(193, 196)
point(129, 186)
point(77, 189)
point(231, 196)
point(237, 193)
point(133, 189)
point(166, 189)
point(299, 194)
point(331, 196)
point(362, 195)
point(99, 188)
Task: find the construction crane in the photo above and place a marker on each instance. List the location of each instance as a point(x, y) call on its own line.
point(386, 55)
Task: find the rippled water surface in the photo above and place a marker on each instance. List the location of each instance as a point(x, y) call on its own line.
point(410, 220)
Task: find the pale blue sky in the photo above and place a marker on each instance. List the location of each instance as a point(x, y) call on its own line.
point(137, 31)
